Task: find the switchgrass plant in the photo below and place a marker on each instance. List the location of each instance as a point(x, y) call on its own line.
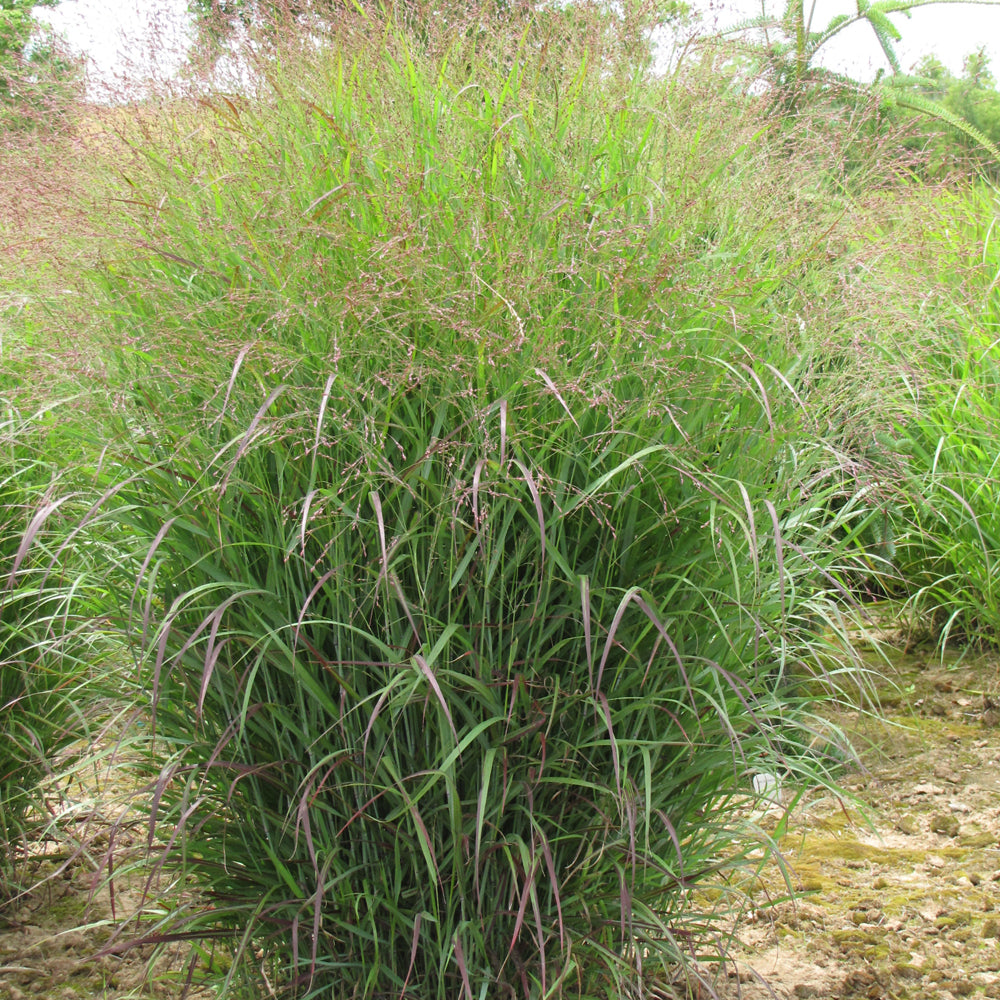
point(472, 539)
point(944, 449)
point(43, 669)
point(457, 687)
point(950, 551)
point(926, 436)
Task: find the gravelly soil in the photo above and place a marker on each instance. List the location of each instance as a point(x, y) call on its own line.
point(901, 888)
point(44, 952)
point(903, 903)
point(60, 941)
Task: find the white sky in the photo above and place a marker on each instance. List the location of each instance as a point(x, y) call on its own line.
point(122, 39)
point(948, 30)
point(147, 38)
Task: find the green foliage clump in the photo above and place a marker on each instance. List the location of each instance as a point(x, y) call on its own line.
point(483, 668)
point(494, 447)
point(468, 555)
point(941, 451)
point(41, 671)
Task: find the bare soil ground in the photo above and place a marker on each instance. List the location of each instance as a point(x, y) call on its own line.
point(65, 938)
point(50, 945)
point(902, 903)
point(899, 890)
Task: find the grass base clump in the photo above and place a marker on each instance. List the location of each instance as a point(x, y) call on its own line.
point(483, 670)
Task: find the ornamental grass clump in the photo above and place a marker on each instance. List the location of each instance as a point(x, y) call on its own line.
point(43, 671)
point(471, 571)
point(945, 452)
point(936, 447)
point(457, 688)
